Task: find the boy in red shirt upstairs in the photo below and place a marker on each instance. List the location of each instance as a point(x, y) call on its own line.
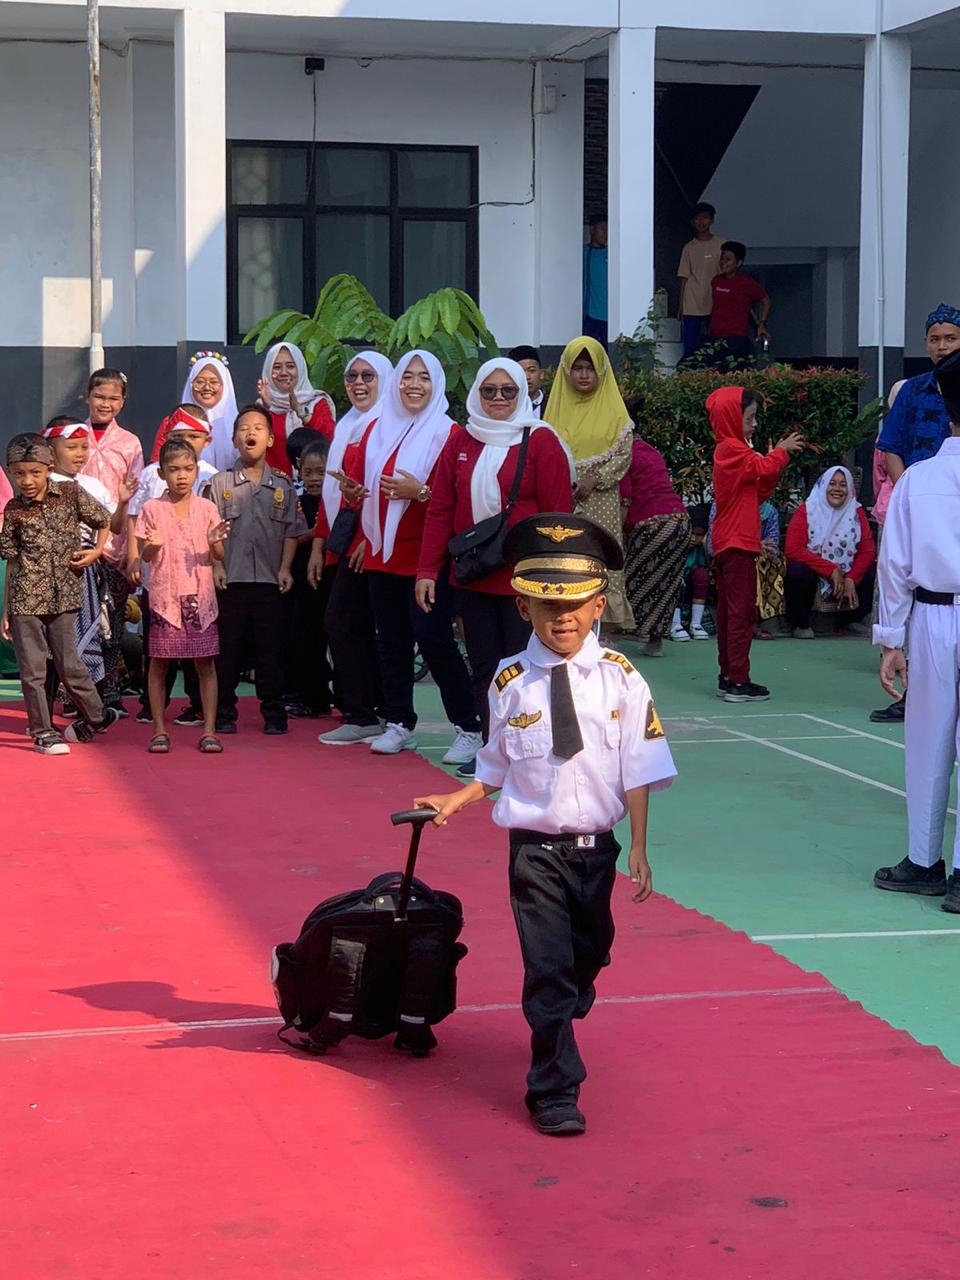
point(734, 296)
point(742, 479)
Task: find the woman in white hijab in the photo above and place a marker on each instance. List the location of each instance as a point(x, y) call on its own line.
point(395, 464)
point(830, 557)
point(209, 385)
point(348, 619)
point(474, 480)
point(292, 401)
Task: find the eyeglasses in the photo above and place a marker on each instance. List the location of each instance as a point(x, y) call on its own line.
point(367, 376)
point(202, 384)
point(508, 392)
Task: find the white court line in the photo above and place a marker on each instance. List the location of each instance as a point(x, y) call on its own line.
point(787, 737)
point(663, 997)
point(860, 733)
point(870, 933)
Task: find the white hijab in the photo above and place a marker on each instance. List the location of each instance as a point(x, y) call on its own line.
point(833, 532)
point(420, 439)
point(304, 393)
point(351, 427)
point(497, 437)
point(220, 452)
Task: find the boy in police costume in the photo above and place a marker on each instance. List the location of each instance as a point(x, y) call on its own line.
point(919, 579)
point(575, 744)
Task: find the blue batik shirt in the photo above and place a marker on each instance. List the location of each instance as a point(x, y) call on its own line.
point(917, 424)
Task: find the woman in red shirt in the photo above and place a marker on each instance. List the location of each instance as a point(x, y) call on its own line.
point(474, 477)
point(830, 554)
point(395, 463)
point(286, 392)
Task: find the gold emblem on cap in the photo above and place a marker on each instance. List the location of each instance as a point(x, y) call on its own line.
point(558, 532)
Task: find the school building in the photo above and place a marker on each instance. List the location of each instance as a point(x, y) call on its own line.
point(430, 143)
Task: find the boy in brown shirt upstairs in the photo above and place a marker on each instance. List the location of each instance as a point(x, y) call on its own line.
point(41, 539)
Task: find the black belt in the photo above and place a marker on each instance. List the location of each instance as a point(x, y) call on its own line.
point(565, 839)
point(923, 596)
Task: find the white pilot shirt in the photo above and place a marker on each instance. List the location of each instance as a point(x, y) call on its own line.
point(623, 742)
point(921, 540)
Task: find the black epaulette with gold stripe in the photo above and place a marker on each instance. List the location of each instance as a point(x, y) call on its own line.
point(620, 660)
point(507, 674)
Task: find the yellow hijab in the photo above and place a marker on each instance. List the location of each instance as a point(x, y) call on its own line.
point(590, 423)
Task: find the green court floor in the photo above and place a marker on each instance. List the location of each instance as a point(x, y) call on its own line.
point(781, 814)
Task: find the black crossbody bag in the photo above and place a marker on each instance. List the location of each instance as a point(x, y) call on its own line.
point(478, 551)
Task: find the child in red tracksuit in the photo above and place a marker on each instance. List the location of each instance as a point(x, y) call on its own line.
point(742, 480)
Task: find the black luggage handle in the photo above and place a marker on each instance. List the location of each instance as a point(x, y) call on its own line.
point(418, 819)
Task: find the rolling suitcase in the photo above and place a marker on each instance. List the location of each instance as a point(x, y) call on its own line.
point(374, 961)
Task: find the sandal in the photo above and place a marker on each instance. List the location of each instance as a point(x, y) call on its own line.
point(209, 745)
point(159, 744)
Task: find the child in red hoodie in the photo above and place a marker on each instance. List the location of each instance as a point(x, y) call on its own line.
point(742, 479)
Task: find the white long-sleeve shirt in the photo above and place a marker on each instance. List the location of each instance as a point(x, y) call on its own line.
point(921, 540)
point(623, 742)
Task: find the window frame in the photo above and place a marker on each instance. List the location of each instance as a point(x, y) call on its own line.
point(308, 211)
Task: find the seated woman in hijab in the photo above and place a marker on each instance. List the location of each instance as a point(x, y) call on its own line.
point(830, 557)
point(209, 385)
point(587, 412)
point(286, 392)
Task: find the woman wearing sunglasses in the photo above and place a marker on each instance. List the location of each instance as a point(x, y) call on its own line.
point(474, 481)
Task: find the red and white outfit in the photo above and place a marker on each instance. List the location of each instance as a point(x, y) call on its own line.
point(314, 409)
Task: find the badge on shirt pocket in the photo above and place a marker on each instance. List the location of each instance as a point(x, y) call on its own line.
point(279, 497)
point(525, 719)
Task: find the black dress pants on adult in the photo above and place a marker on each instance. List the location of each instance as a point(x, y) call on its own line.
point(801, 584)
point(492, 630)
point(307, 672)
point(402, 625)
point(560, 897)
point(353, 645)
point(251, 615)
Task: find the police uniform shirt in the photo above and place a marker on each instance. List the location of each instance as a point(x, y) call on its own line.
point(261, 517)
point(623, 742)
point(921, 540)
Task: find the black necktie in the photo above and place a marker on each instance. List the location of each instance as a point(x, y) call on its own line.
point(567, 738)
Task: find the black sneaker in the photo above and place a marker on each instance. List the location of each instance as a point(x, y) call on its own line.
point(299, 710)
point(225, 726)
point(951, 902)
point(79, 731)
point(50, 744)
point(723, 684)
point(190, 716)
point(120, 712)
point(275, 727)
point(893, 714)
point(468, 769)
point(558, 1117)
point(144, 716)
point(69, 711)
point(907, 877)
point(748, 692)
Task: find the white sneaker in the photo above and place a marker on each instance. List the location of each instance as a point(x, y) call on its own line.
point(344, 734)
point(394, 739)
point(679, 635)
point(697, 633)
point(463, 748)
point(50, 744)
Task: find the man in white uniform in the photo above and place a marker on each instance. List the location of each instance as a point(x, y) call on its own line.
point(919, 581)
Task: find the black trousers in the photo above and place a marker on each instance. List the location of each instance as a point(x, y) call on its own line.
point(560, 897)
point(306, 668)
point(251, 616)
point(118, 589)
point(191, 681)
point(801, 584)
point(402, 627)
point(353, 645)
point(492, 630)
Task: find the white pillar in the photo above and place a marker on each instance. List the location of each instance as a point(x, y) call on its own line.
point(630, 190)
point(883, 195)
point(558, 216)
point(201, 129)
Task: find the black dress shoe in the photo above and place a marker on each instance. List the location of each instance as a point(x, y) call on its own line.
point(275, 727)
point(748, 692)
point(558, 1117)
point(893, 714)
point(907, 877)
point(951, 902)
point(226, 726)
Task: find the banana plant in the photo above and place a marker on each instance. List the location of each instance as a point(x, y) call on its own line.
point(448, 323)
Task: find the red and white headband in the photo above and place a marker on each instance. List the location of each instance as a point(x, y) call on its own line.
point(66, 430)
point(180, 420)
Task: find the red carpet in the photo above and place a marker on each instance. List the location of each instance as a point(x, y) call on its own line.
point(740, 1123)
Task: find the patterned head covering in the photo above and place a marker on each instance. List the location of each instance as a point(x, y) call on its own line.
point(944, 314)
point(66, 431)
point(29, 447)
